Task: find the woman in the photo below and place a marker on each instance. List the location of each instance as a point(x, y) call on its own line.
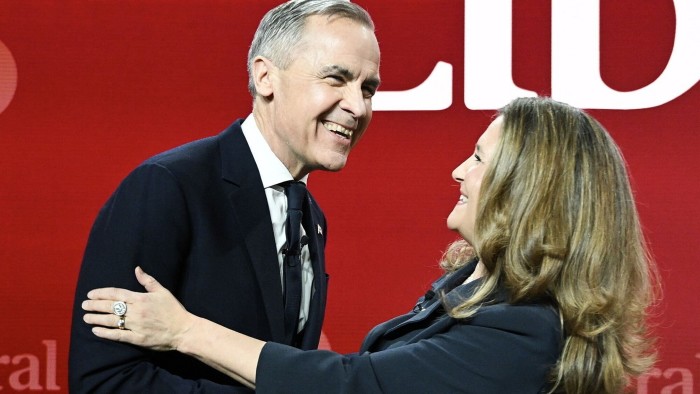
point(552, 296)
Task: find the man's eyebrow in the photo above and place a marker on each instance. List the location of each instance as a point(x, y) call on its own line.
point(336, 69)
point(373, 82)
point(348, 75)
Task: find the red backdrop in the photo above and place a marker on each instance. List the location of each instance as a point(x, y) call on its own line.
point(90, 89)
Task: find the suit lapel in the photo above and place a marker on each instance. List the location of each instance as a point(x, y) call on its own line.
point(249, 204)
point(315, 230)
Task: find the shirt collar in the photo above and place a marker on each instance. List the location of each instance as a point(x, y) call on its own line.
point(272, 171)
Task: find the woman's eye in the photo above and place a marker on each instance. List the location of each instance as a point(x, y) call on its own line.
point(477, 157)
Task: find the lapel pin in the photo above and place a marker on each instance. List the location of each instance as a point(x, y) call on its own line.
point(318, 230)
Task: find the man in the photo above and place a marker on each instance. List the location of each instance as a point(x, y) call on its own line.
point(208, 218)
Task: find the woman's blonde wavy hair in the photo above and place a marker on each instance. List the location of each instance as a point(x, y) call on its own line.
point(557, 219)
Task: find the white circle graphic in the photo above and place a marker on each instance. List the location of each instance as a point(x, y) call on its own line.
point(8, 77)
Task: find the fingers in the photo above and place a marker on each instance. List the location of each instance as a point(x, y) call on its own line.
point(107, 327)
point(149, 316)
point(115, 293)
point(116, 335)
point(147, 281)
point(99, 319)
point(111, 293)
point(97, 306)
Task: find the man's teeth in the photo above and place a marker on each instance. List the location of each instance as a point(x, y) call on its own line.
point(338, 129)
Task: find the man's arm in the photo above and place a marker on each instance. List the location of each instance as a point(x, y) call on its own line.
point(146, 223)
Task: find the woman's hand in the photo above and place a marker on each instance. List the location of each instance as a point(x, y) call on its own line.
point(155, 319)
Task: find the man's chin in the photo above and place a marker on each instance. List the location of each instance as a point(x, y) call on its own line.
point(332, 168)
point(334, 165)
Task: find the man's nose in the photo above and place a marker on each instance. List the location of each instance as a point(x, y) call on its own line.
point(354, 102)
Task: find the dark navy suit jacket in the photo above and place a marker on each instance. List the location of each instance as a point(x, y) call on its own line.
point(197, 219)
point(504, 348)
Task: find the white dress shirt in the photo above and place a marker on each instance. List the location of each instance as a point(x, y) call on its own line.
point(273, 173)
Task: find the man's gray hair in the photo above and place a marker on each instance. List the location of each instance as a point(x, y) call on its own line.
point(281, 29)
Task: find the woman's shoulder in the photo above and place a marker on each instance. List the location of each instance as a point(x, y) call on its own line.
point(540, 322)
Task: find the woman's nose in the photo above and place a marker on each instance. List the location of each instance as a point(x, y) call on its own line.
point(458, 173)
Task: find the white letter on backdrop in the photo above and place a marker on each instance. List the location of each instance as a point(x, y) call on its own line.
point(434, 94)
point(488, 55)
point(576, 59)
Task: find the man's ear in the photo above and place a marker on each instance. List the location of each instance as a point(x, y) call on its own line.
point(263, 71)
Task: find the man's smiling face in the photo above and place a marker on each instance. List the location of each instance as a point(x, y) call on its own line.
point(322, 102)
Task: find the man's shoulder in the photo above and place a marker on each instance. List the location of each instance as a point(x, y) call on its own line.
point(195, 152)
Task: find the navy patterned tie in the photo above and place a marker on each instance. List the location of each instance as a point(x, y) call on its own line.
point(296, 194)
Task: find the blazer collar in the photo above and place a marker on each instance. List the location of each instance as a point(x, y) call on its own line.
point(249, 204)
point(448, 291)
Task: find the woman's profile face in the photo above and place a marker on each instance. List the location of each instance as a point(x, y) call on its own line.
point(469, 175)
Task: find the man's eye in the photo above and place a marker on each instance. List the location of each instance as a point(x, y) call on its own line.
point(336, 78)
